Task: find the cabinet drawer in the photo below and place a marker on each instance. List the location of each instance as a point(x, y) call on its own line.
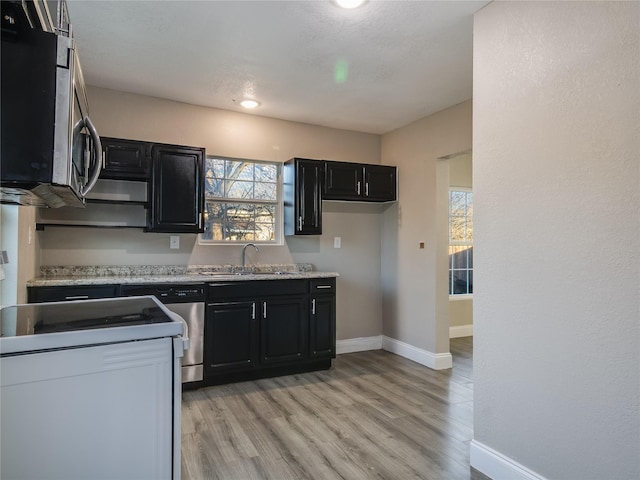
point(255, 288)
point(322, 285)
point(61, 294)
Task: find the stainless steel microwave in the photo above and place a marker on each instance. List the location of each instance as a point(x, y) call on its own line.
point(50, 151)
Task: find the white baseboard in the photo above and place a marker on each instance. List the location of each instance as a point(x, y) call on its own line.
point(361, 344)
point(461, 331)
point(497, 466)
point(437, 361)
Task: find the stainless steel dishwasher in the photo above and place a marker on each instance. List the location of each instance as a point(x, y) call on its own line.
point(188, 302)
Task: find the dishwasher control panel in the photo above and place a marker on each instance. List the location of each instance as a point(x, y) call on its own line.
point(167, 293)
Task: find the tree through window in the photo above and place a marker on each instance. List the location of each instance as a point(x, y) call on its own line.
point(241, 200)
point(460, 242)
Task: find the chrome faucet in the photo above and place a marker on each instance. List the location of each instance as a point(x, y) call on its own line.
point(244, 251)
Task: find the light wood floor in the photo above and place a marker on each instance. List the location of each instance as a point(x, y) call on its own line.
point(373, 415)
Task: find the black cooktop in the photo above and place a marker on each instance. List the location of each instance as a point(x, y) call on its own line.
point(39, 318)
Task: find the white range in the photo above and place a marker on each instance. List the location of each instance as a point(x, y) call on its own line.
point(91, 389)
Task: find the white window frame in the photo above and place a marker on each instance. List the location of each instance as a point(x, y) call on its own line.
point(457, 296)
point(279, 214)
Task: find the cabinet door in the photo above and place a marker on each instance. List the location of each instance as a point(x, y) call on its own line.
point(283, 330)
point(302, 192)
point(177, 189)
point(342, 181)
point(380, 183)
point(125, 159)
point(322, 325)
point(230, 337)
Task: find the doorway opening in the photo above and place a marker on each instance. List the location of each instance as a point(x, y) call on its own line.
point(455, 204)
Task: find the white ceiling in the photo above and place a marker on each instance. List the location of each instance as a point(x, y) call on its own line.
point(400, 60)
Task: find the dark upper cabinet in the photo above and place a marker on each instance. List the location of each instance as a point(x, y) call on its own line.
point(362, 182)
point(379, 183)
point(302, 188)
point(125, 159)
point(342, 181)
point(177, 189)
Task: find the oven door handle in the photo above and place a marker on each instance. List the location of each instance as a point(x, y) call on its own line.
point(185, 335)
point(185, 332)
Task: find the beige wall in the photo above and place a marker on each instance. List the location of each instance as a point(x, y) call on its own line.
point(461, 170)
point(18, 238)
point(414, 283)
point(461, 175)
point(124, 115)
point(556, 153)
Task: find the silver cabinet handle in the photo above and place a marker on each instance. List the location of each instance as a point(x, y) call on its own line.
point(77, 297)
point(366, 189)
point(300, 223)
point(358, 188)
point(313, 306)
point(97, 149)
point(253, 311)
point(323, 286)
point(264, 309)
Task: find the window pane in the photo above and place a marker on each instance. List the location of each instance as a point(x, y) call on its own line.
point(214, 167)
point(238, 189)
point(456, 229)
point(461, 241)
point(214, 187)
point(266, 191)
point(213, 221)
point(266, 173)
point(459, 257)
point(238, 170)
point(457, 203)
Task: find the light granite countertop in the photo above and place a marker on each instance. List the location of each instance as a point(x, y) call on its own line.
point(156, 274)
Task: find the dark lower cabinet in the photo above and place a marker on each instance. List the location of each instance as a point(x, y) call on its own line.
point(177, 189)
point(283, 332)
point(322, 327)
point(258, 329)
point(231, 336)
point(68, 293)
point(322, 322)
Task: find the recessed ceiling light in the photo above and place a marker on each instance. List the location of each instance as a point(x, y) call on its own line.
point(349, 3)
point(250, 103)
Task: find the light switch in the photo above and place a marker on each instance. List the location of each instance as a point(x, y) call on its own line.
point(337, 242)
point(174, 241)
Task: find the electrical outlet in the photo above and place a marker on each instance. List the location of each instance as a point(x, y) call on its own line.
point(337, 242)
point(174, 241)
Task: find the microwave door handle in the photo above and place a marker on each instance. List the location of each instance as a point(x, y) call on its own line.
point(97, 153)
